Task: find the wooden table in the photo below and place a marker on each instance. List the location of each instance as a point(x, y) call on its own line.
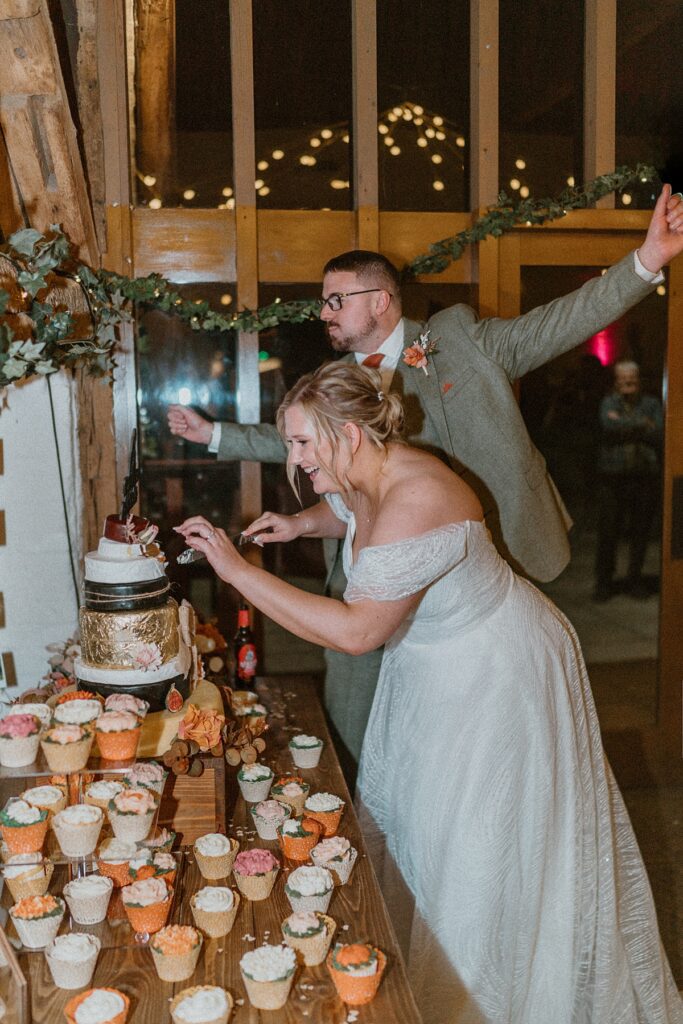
point(357, 908)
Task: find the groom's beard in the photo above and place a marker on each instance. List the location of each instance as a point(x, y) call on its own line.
point(351, 343)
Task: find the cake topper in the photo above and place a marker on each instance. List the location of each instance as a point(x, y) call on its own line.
point(130, 484)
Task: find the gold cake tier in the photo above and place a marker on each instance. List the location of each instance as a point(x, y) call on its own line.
point(111, 640)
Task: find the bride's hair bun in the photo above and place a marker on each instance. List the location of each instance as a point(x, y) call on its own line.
point(339, 393)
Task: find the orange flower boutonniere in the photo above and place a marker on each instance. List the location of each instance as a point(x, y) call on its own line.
point(417, 354)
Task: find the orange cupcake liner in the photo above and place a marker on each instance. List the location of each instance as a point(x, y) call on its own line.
point(75, 1002)
point(25, 838)
point(118, 872)
point(328, 819)
point(119, 746)
point(354, 990)
point(149, 919)
point(299, 847)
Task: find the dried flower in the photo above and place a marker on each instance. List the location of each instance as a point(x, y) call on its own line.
point(146, 656)
point(204, 727)
point(417, 354)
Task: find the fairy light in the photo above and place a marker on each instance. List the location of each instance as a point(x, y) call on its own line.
point(259, 183)
point(383, 129)
point(407, 115)
point(388, 140)
point(438, 186)
point(422, 142)
point(230, 204)
point(524, 192)
point(264, 191)
point(438, 121)
point(189, 193)
point(430, 133)
point(437, 158)
point(398, 111)
point(441, 136)
point(661, 290)
point(277, 154)
point(520, 164)
point(315, 142)
point(391, 116)
point(515, 183)
point(307, 161)
point(227, 192)
point(418, 120)
point(417, 109)
point(627, 198)
point(326, 133)
point(226, 299)
point(345, 138)
point(155, 204)
point(149, 180)
point(571, 181)
point(395, 150)
point(460, 141)
point(262, 165)
point(338, 183)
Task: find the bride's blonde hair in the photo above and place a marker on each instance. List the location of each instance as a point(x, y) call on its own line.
point(339, 393)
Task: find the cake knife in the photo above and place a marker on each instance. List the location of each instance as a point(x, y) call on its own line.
point(190, 555)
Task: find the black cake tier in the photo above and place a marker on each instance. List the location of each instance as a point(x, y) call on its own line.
point(126, 597)
point(153, 692)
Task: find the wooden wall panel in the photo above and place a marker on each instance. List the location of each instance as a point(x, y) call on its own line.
point(184, 245)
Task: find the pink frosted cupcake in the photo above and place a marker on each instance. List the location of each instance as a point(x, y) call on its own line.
point(147, 904)
point(268, 973)
point(161, 840)
point(292, 791)
point(309, 888)
point(77, 829)
point(131, 813)
point(41, 711)
point(66, 747)
point(255, 872)
point(337, 855)
point(309, 932)
point(118, 734)
point(268, 816)
point(19, 740)
point(153, 864)
point(126, 702)
point(72, 958)
point(146, 775)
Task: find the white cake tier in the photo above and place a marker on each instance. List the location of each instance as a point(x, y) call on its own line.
point(129, 569)
point(178, 666)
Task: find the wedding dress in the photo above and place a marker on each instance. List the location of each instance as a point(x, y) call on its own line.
point(500, 839)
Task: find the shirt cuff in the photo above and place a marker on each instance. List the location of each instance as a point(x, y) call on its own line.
point(215, 438)
point(644, 274)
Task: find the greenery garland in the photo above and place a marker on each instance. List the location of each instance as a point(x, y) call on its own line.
point(38, 337)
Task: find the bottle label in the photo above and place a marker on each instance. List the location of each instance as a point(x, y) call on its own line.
point(246, 661)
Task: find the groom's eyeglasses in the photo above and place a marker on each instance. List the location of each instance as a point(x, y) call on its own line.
point(335, 300)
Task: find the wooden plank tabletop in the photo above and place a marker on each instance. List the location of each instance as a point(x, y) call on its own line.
point(357, 908)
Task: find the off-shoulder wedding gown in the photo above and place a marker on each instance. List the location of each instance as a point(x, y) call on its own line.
point(501, 842)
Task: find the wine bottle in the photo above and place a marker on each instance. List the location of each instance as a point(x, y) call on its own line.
point(246, 658)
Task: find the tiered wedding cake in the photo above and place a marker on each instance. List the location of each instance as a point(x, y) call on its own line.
point(134, 637)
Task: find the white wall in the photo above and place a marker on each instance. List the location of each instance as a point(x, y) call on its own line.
point(35, 576)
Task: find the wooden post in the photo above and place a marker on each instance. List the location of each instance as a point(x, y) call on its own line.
point(599, 92)
point(155, 64)
point(365, 157)
point(484, 142)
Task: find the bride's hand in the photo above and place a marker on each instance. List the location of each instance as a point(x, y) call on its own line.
point(212, 542)
point(280, 528)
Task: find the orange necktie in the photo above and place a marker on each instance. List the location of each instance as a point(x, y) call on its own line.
point(373, 361)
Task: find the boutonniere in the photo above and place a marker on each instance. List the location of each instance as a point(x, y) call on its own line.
point(417, 354)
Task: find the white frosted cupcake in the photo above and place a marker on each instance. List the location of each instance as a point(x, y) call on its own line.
point(268, 973)
point(310, 932)
point(305, 750)
point(337, 855)
point(215, 854)
point(309, 888)
point(98, 1006)
point(201, 1004)
point(46, 798)
point(77, 829)
point(77, 712)
point(251, 711)
point(327, 808)
point(72, 958)
point(255, 781)
point(88, 899)
point(27, 874)
point(214, 909)
point(131, 813)
point(41, 711)
point(37, 919)
point(113, 858)
point(268, 816)
point(146, 774)
point(101, 792)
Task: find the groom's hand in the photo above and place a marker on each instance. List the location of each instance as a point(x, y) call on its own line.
point(188, 424)
point(664, 239)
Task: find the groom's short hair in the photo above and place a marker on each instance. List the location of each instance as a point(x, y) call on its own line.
point(367, 265)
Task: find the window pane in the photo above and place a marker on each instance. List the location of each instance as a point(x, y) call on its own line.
point(302, 92)
point(650, 92)
point(423, 102)
point(183, 144)
point(541, 96)
point(197, 369)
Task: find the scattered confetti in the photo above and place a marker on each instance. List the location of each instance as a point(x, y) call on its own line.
point(240, 1002)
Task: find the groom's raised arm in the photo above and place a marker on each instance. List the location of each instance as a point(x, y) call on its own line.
point(258, 442)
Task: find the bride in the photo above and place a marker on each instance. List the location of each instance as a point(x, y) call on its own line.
point(502, 845)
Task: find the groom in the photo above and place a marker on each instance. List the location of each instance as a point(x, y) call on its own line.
point(461, 406)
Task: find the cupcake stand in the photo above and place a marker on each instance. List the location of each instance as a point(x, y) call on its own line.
point(192, 807)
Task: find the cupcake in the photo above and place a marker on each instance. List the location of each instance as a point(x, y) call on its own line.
point(175, 951)
point(255, 872)
point(37, 919)
point(41, 711)
point(356, 972)
point(161, 840)
point(132, 812)
point(309, 888)
point(153, 864)
point(98, 1006)
point(337, 855)
point(146, 775)
point(254, 781)
point(298, 836)
point(242, 699)
point(46, 798)
point(215, 855)
point(251, 711)
point(118, 734)
point(113, 858)
point(23, 827)
point(305, 750)
point(66, 747)
point(88, 898)
point(327, 809)
point(72, 958)
point(101, 792)
point(214, 909)
point(268, 973)
point(147, 904)
point(27, 874)
point(78, 712)
point(268, 816)
point(292, 791)
point(309, 932)
point(19, 740)
point(77, 829)
point(126, 702)
point(201, 1004)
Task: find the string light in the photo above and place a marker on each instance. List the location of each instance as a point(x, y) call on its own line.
point(460, 141)
point(307, 161)
point(407, 115)
point(388, 140)
point(337, 183)
point(438, 121)
point(264, 191)
point(391, 116)
point(398, 111)
point(438, 185)
point(226, 299)
point(326, 133)
point(520, 164)
point(524, 192)
point(227, 192)
point(230, 204)
point(345, 138)
point(418, 120)
point(259, 183)
point(262, 165)
point(661, 290)
point(149, 180)
point(437, 158)
point(430, 133)
point(189, 193)
point(422, 142)
point(383, 129)
point(417, 109)
point(627, 198)
point(277, 154)
point(515, 183)
point(315, 142)
point(571, 181)
point(395, 150)
point(155, 204)
point(441, 136)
